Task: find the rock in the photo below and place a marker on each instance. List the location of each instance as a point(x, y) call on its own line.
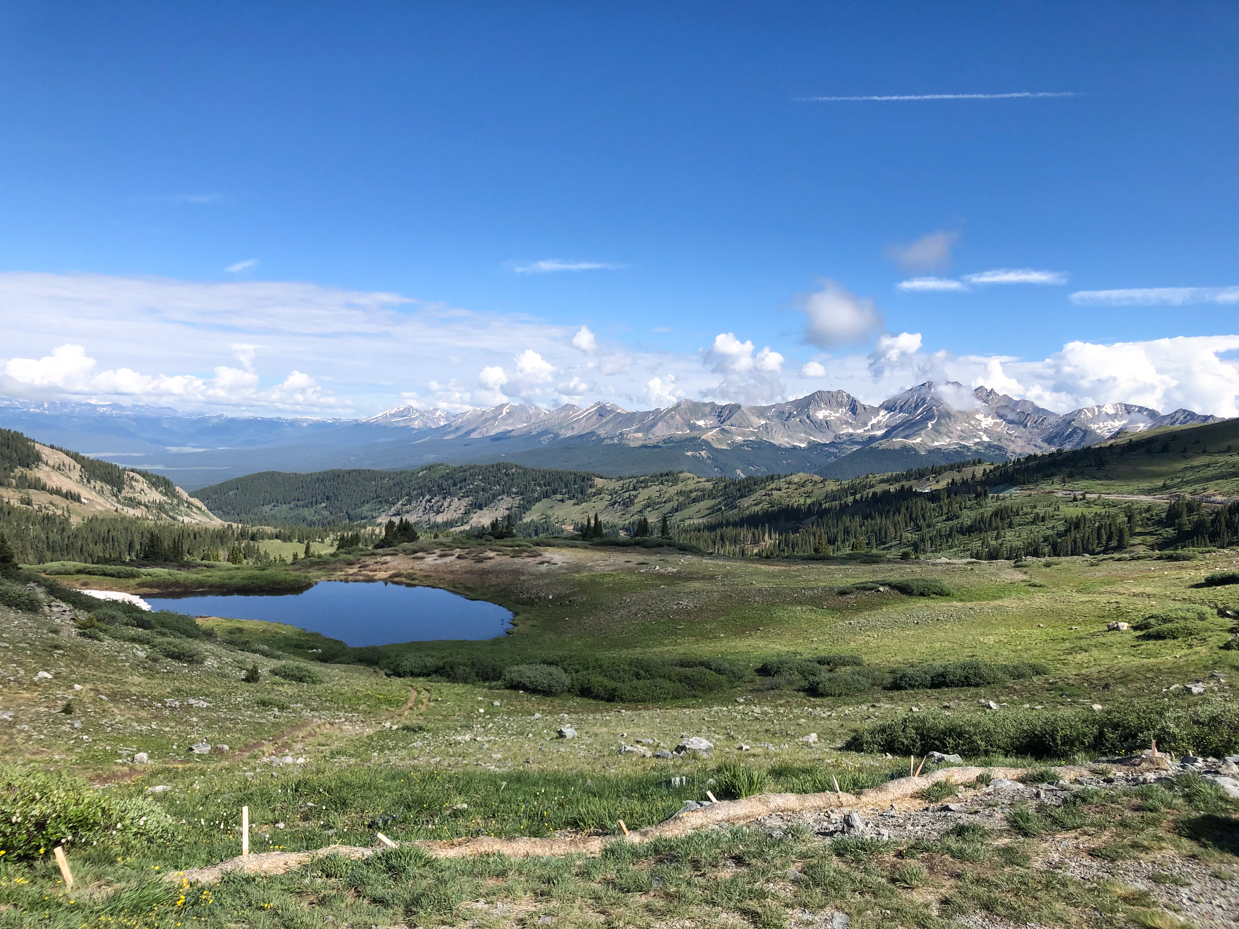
point(537, 715)
point(810, 738)
point(79, 686)
point(663, 753)
point(991, 705)
point(939, 758)
point(852, 823)
point(635, 750)
point(1117, 627)
point(1097, 707)
point(141, 758)
point(839, 920)
point(567, 732)
point(1197, 689)
point(158, 789)
point(1002, 783)
point(1190, 761)
point(744, 748)
point(689, 806)
point(494, 703)
point(694, 744)
point(201, 748)
point(1228, 784)
point(678, 781)
point(42, 676)
point(644, 741)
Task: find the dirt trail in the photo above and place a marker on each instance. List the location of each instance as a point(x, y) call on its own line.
point(901, 794)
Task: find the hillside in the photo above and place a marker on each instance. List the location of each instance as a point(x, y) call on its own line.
point(54, 480)
point(1031, 506)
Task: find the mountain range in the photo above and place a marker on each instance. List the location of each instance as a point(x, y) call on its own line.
point(828, 432)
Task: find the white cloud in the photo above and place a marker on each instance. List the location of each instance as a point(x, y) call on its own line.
point(245, 354)
point(662, 391)
point(68, 370)
point(1016, 276)
point(492, 378)
point(812, 369)
point(905, 98)
point(926, 253)
point(551, 265)
point(748, 377)
point(836, 317)
point(996, 379)
point(931, 284)
point(585, 340)
point(1156, 296)
point(532, 368)
point(240, 266)
point(894, 352)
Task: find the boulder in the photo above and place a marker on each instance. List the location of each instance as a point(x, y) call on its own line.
point(694, 744)
point(940, 758)
point(1117, 627)
point(852, 823)
point(1196, 689)
point(635, 750)
point(201, 748)
point(567, 732)
point(663, 753)
point(1228, 784)
point(158, 789)
point(42, 676)
point(811, 738)
point(141, 758)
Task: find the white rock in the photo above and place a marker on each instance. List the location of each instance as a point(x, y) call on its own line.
point(567, 732)
point(695, 744)
point(141, 758)
point(1118, 627)
point(201, 748)
point(158, 789)
point(42, 676)
point(1228, 784)
point(810, 738)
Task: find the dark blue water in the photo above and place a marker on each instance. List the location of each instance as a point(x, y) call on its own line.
point(358, 613)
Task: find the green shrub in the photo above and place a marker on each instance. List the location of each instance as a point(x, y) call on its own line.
point(970, 673)
point(1174, 631)
point(39, 810)
point(1220, 579)
point(184, 652)
point(537, 678)
point(251, 674)
point(63, 568)
point(1207, 729)
point(921, 587)
point(19, 598)
point(843, 683)
point(1172, 616)
point(297, 672)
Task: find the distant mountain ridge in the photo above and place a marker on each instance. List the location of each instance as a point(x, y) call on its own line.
point(827, 432)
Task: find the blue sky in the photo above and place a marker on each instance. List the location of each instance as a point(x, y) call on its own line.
point(450, 154)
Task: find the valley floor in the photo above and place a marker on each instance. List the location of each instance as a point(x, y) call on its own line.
point(334, 761)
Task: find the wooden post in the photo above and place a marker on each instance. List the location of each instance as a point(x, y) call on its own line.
point(623, 827)
point(1155, 748)
point(911, 761)
point(63, 862)
point(385, 840)
point(837, 790)
point(921, 765)
point(245, 832)
point(713, 799)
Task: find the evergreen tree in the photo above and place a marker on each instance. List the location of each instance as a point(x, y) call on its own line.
point(664, 528)
point(308, 550)
point(643, 528)
point(7, 558)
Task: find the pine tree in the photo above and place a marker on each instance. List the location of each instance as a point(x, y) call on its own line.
point(308, 550)
point(664, 528)
point(7, 558)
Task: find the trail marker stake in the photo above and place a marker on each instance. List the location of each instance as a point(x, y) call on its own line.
point(713, 799)
point(837, 790)
point(385, 840)
point(245, 831)
point(921, 765)
point(63, 863)
point(623, 827)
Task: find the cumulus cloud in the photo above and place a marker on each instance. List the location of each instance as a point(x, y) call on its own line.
point(492, 378)
point(70, 371)
point(931, 284)
point(532, 368)
point(996, 379)
point(748, 377)
point(927, 253)
point(894, 352)
point(812, 369)
point(551, 265)
point(663, 391)
point(245, 354)
point(833, 316)
point(585, 340)
point(1156, 296)
point(1016, 276)
point(240, 266)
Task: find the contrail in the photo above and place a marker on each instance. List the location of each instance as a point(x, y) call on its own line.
point(904, 97)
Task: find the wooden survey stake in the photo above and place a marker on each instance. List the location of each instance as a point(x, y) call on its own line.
point(245, 831)
point(63, 862)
